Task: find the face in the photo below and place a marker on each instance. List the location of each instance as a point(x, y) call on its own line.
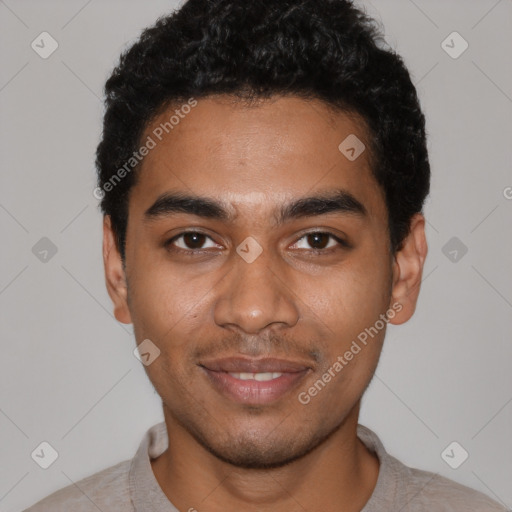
point(257, 255)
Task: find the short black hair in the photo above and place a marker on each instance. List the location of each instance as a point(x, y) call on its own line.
point(328, 50)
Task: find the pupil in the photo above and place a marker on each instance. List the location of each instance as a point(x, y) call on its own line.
point(194, 240)
point(318, 240)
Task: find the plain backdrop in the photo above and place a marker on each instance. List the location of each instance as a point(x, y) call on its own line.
point(68, 373)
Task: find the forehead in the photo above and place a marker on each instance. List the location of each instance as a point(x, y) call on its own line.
point(251, 156)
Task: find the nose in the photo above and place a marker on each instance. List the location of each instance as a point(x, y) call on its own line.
point(255, 296)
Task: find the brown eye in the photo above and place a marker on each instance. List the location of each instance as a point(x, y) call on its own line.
point(319, 241)
point(194, 240)
point(191, 241)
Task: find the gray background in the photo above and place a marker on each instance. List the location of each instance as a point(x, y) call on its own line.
point(68, 374)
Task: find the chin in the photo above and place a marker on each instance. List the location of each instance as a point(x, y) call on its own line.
point(259, 450)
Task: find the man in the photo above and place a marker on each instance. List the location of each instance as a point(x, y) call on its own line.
point(262, 172)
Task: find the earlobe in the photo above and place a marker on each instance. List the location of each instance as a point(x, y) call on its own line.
point(408, 269)
point(115, 277)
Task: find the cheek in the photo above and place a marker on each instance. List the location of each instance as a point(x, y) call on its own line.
point(163, 311)
point(347, 301)
point(160, 292)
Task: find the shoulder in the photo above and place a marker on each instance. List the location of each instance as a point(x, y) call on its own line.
point(106, 490)
point(426, 491)
point(400, 487)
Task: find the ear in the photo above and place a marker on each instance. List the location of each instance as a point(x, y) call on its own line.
point(115, 277)
point(407, 271)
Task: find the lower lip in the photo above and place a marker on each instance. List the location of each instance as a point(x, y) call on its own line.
point(253, 391)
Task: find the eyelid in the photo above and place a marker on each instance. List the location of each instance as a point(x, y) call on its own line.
point(340, 241)
point(169, 241)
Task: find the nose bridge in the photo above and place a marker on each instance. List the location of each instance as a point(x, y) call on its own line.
point(253, 295)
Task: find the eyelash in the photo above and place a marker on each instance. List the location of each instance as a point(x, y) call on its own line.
point(192, 252)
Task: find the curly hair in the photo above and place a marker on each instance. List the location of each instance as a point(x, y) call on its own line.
point(328, 50)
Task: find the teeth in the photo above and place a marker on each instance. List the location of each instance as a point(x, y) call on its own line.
point(256, 376)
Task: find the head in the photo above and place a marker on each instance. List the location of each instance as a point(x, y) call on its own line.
point(263, 169)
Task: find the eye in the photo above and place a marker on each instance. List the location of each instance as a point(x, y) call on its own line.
point(319, 241)
point(191, 241)
point(195, 241)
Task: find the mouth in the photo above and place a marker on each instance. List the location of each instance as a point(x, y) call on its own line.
point(254, 381)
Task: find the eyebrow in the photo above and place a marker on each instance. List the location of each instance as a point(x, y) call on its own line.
point(337, 201)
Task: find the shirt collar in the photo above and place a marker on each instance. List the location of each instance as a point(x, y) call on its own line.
point(146, 493)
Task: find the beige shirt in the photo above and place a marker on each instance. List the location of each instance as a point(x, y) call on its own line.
point(131, 486)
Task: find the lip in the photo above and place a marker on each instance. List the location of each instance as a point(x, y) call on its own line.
point(248, 365)
point(252, 391)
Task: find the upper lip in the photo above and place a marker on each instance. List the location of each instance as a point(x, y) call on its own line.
point(247, 365)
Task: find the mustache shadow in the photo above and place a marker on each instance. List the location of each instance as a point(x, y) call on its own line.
point(260, 346)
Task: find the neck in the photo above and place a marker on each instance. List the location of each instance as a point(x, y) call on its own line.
point(341, 471)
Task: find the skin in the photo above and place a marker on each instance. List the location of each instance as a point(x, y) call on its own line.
point(292, 302)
